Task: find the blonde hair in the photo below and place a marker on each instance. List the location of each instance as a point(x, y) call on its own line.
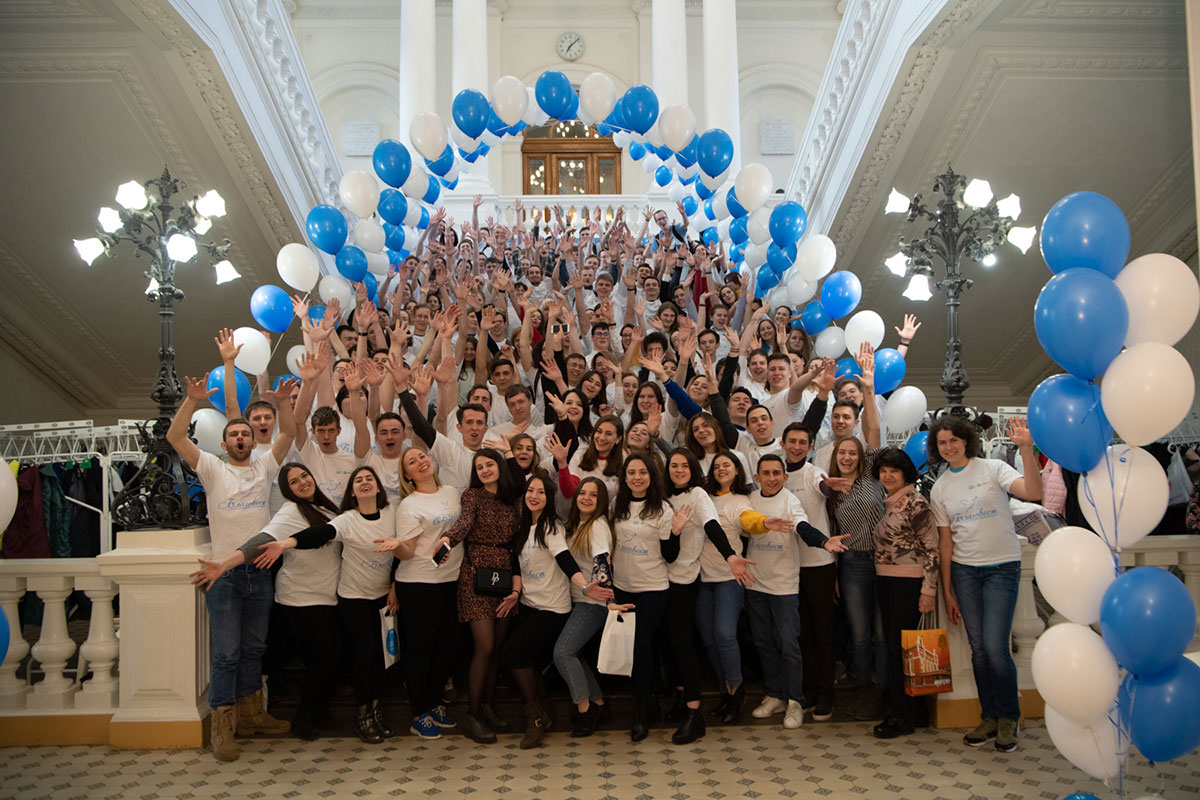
point(407, 486)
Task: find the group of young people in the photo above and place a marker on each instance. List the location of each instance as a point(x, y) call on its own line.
point(529, 428)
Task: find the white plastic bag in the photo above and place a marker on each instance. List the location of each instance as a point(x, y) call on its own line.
point(1180, 481)
point(616, 643)
point(387, 630)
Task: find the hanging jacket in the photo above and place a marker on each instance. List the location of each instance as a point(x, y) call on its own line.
point(26, 534)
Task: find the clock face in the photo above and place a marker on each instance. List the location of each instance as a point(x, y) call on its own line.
point(570, 46)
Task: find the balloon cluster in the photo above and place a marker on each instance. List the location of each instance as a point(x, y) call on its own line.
point(1094, 306)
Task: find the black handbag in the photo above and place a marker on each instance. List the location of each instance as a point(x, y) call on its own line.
point(493, 581)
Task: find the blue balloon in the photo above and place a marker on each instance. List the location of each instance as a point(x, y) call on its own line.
point(553, 93)
point(604, 130)
point(423, 222)
point(1081, 320)
point(917, 447)
point(847, 367)
point(639, 107)
point(1085, 230)
point(4, 634)
point(471, 111)
point(326, 228)
point(372, 286)
point(271, 308)
point(814, 318)
point(396, 257)
point(352, 263)
point(470, 158)
point(1068, 423)
point(714, 151)
point(687, 156)
point(702, 191)
point(1161, 710)
point(737, 253)
point(710, 236)
point(662, 175)
point(780, 258)
point(393, 236)
point(889, 369)
point(495, 125)
point(709, 211)
point(316, 314)
point(432, 193)
point(287, 376)
point(393, 206)
point(735, 208)
point(840, 293)
point(392, 162)
point(687, 180)
point(572, 111)
point(1081, 796)
point(443, 163)
point(216, 380)
point(1147, 618)
point(517, 128)
point(636, 151)
point(451, 185)
point(767, 279)
point(737, 230)
point(787, 223)
point(690, 205)
point(615, 120)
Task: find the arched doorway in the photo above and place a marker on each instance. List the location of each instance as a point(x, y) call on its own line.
point(569, 158)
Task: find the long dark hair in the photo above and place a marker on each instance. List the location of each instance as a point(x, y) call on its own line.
point(739, 486)
point(585, 422)
point(310, 509)
point(350, 502)
point(546, 522)
point(507, 489)
point(635, 413)
point(590, 458)
point(655, 496)
point(579, 530)
point(696, 472)
point(689, 438)
point(601, 398)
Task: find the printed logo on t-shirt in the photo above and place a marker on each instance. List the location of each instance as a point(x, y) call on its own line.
point(758, 543)
point(231, 504)
point(628, 541)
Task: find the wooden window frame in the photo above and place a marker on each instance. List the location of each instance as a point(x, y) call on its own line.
point(587, 150)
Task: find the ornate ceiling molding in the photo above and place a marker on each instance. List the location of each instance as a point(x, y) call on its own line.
point(34, 10)
point(1066, 9)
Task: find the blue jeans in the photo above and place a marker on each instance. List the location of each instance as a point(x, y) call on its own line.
point(856, 582)
point(239, 609)
point(585, 621)
point(775, 626)
point(987, 598)
point(718, 607)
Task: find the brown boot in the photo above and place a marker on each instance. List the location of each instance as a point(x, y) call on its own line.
point(535, 725)
point(223, 746)
point(253, 717)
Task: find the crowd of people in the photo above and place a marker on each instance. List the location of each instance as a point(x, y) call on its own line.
point(529, 428)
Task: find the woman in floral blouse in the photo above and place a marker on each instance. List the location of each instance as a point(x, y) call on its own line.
point(906, 568)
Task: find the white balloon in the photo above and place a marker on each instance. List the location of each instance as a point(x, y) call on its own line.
point(428, 135)
point(8, 496)
point(1075, 672)
point(723, 229)
point(377, 264)
point(534, 116)
point(677, 124)
point(712, 183)
point(336, 287)
point(720, 205)
point(293, 358)
point(865, 326)
point(1096, 749)
point(621, 139)
point(815, 257)
point(1147, 390)
point(753, 186)
point(650, 163)
point(755, 255)
point(654, 135)
point(509, 99)
point(416, 184)
point(799, 291)
point(831, 343)
point(1131, 481)
point(412, 217)
point(687, 172)
point(597, 96)
point(255, 353)
point(906, 408)
point(1163, 298)
point(1074, 567)
point(210, 425)
point(298, 267)
point(759, 227)
point(369, 235)
point(461, 140)
point(675, 192)
point(359, 192)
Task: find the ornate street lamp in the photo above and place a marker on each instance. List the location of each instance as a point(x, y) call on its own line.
point(967, 221)
point(165, 492)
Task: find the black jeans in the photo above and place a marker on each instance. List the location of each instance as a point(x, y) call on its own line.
point(681, 632)
point(361, 618)
point(650, 607)
point(319, 629)
point(817, 631)
point(429, 612)
point(898, 598)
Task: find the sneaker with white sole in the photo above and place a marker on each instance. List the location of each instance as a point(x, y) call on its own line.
point(425, 727)
point(441, 717)
point(794, 717)
point(983, 733)
point(1007, 731)
point(769, 707)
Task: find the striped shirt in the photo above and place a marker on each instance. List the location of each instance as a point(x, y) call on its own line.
point(859, 511)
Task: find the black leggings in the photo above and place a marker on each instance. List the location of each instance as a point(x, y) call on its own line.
point(681, 632)
point(650, 608)
point(361, 618)
point(319, 629)
point(898, 599)
point(429, 612)
point(817, 631)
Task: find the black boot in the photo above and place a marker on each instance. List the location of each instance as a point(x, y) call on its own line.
point(678, 709)
point(691, 729)
point(303, 726)
point(718, 710)
point(377, 710)
point(585, 724)
point(641, 721)
point(733, 711)
point(368, 730)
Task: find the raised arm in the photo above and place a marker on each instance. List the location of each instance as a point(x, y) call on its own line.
point(287, 419)
point(911, 326)
point(177, 434)
point(358, 409)
point(870, 412)
point(229, 352)
point(1030, 486)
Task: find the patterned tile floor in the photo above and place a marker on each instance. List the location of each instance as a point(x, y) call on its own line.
point(834, 760)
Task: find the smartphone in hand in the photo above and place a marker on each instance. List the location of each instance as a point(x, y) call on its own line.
point(441, 554)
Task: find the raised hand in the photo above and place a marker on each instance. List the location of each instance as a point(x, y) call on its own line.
point(422, 380)
point(445, 370)
point(300, 306)
point(866, 361)
point(555, 446)
point(225, 345)
point(400, 372)
point(1018, 432)
point(477, 202)
point(687, 348)
point(355, 378)
point(654, 420)
point(557, 405)
point(310, 366)
point(281, 393)
point(680, 519)
point(551, 372)
point(371, 372)
point(911, 326)
point(655, 365)
point(827, 378)
point(196, 388)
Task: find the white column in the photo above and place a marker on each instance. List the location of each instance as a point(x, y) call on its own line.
point(668, 52)
point(100, 650)
point(469, 70)
point(12, 689)
point(721, 73)
point(418, 47)
point(54, 647)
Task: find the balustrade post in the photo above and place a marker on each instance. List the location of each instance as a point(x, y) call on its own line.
point(12, 689)
point(54, 646)
point(101, 648)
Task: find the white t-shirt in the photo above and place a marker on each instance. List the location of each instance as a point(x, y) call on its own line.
point(973, 503)
point(388, 470)
point(753, 451)
point(686, 567)
point(544, 585)
point(599, 543)
point(427, 518)
point(638, 565)
point(714, 568)
point(454, 462)
point(784, 413)
point(776, 554)
point(805, 483)
point(345, 438)
point(277, 499)
point(331, 471)
point(366, 575)
point(307, 577)
point(706, 462)
point(237, 499)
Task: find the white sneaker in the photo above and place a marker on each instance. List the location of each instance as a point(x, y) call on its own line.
point(769, 707)
point(794, 717)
